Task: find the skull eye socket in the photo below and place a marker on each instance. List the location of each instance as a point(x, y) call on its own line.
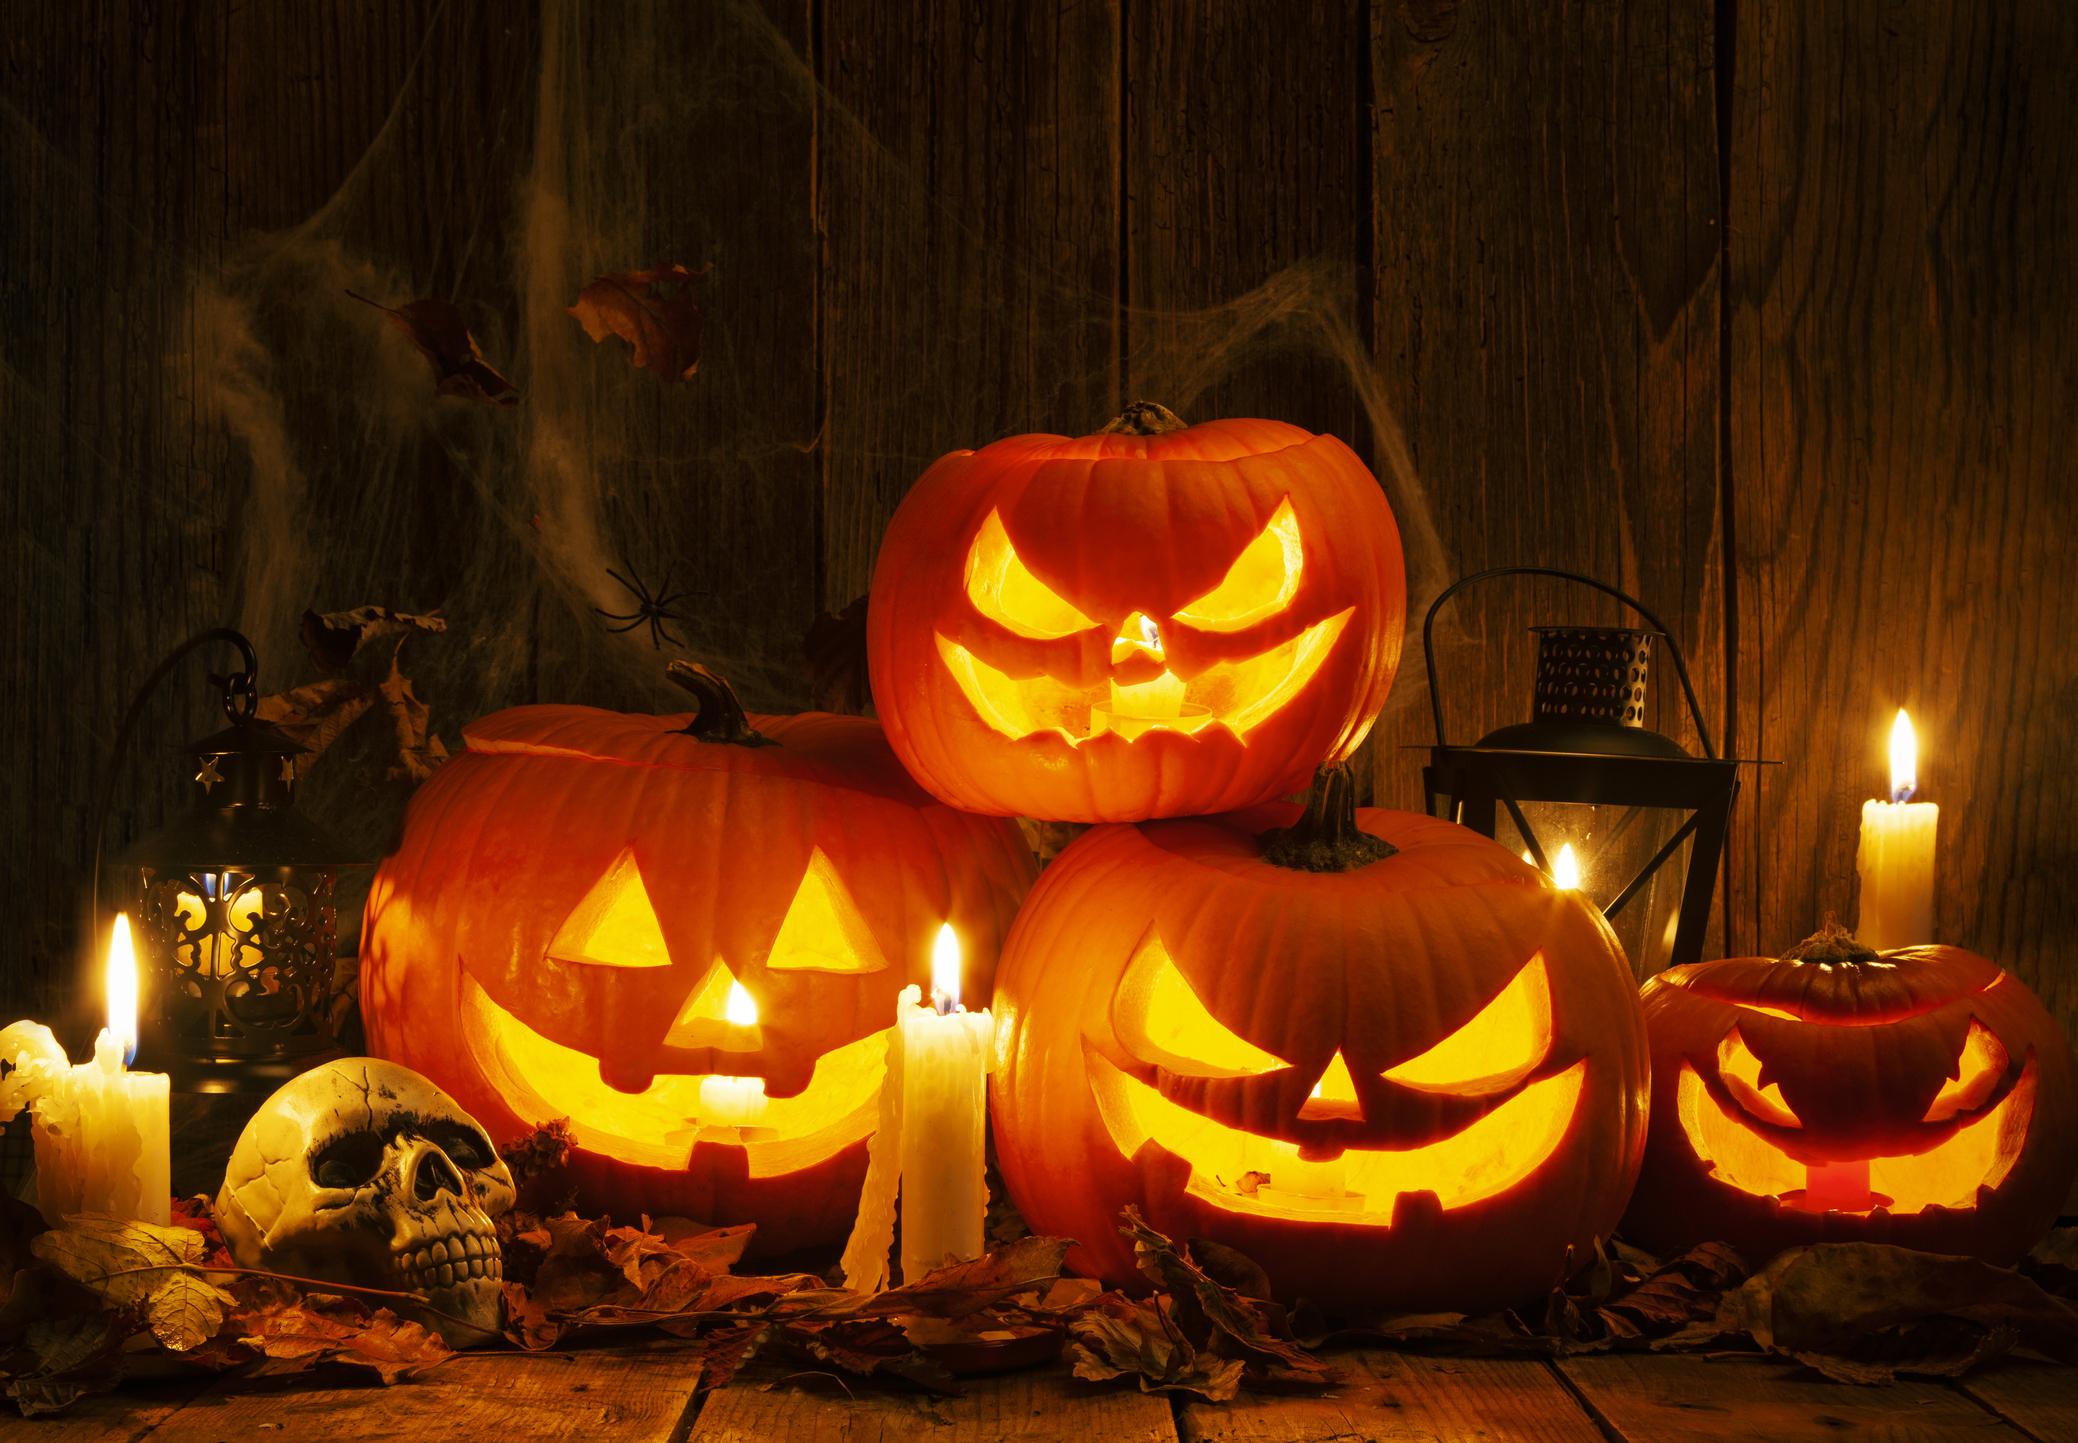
point(465, 1147)
point(1502, 1044)
point(1262, 581)
point(350, 1160)
point(1004, 590)
point(1161, 1020)
point(1742, 1074)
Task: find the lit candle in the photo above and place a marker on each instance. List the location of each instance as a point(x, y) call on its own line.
point(945, 1059)
point(1897, 854)
point(1565, 868)
point(101, 1132)
point(1136, 708)
point(734, 1101)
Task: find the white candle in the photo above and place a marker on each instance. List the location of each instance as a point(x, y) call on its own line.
point(101, 1132)
point(734, 1101)
point(945, 1059)
point(1896, 860)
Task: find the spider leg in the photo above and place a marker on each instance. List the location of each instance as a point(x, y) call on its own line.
point(629, 627)
point(619, 615)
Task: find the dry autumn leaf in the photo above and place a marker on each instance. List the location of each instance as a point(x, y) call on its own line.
point(653, 311)
point(442, 335)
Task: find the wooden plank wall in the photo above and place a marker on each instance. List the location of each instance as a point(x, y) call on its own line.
point(1756, 307)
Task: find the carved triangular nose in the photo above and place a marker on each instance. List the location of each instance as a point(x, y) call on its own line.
point(1334, 1095)
point(1139, 636)
point(707, 1018)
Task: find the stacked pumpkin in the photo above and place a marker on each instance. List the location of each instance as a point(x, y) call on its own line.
point(1376, 1052)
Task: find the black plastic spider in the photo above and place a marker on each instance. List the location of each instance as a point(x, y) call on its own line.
point(652, 607)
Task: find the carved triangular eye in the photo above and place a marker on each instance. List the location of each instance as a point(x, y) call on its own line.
point(615, 925)
point(1161, 1020)
point(1262, 581)
point(823, 930)
point(1746, 1079)
point(1978, 1068)
point(1502, 1044)
point(1004, 589)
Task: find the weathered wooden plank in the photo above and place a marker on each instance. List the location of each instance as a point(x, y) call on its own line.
point(1244, 181)
point(507, 1397)
point(1902, 387)
point(1742, 1399)
point(2041, 1401)
point(1546, 340)
point(1390, 1395)
point(1031, 1406)
point(967, 190)
point(125, 1416)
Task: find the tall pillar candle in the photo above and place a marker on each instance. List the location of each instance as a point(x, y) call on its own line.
point(945, 1059)
point(1896, 859)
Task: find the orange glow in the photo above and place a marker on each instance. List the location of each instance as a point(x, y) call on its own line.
point(1904, 758)
point(1262, 581)
point(717, 1013)
point(1004, 590)
point(614, 924)
point(1565, 869)
point(658, 1126)
point(1487, 1158)
point(1770, 1011)
point(823, 930)
point(741, 1010)
point(1502, 1044)
point(215, 954)
point(1977, 1071)
point(945, 968)
point(1334, 1095)
point(1978, 1155)
point(1161, 1020)
point(1741, 1072)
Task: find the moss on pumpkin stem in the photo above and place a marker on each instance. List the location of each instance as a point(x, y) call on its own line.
point(1830, 943)
point(1144, 418)
point(1326, 837)
point(717, 715)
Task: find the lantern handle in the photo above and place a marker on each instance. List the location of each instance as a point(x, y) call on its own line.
point(1428, 626)
point(240, 691)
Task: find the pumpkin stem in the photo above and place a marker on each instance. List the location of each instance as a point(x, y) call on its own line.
point(717, 716)
point(1326, 837)
point(1830, 943)
point(1144, 418)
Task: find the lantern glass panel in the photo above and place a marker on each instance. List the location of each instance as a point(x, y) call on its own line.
point(1612, 845)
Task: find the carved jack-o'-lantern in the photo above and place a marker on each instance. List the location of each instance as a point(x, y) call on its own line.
point(1417, 1081)
point(688, 942)
point(1156, 620)
point(1922, 1097)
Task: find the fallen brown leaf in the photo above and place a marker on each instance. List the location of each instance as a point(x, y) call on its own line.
point(653, 311)
point(441, 333)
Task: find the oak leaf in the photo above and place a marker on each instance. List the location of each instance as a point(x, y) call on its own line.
point(441, 333)
point(653, 311)
point(290, 1337)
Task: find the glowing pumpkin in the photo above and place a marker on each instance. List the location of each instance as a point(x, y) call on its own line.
point(1389, 1063)
point(1922, 1097)
point(1157, 620)
point(687, 942)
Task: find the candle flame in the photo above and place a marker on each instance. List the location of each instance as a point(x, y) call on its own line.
point(1565, 869)
point(945, 969)
point(1904, 758)
point(121, 975)
point(741, 1010)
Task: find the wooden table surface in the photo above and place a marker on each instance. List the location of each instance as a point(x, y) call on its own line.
point(649, 1394)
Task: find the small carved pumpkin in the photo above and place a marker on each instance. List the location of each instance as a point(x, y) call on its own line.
point(1922, 1097)
point(629, 922)
point(1414, 1078)
point(1156, 620)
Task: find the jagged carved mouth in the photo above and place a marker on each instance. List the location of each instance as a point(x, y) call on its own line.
point(1949, 1175)
point(661, 1125)
point(1364, 1186)
point(1238, 696)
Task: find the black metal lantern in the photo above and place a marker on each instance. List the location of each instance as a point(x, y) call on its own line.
point(235, 918)
point(1586, 778)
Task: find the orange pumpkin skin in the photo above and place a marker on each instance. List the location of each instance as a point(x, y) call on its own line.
point(513, 834)
point(1129, 531)
point(1373, 967)
point(1857, 1053)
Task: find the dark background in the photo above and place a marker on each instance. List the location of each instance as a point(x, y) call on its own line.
point(1763, 310)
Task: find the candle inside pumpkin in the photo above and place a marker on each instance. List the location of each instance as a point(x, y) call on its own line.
point(1896, 858)
point(1136, 708)
point(734, 1101)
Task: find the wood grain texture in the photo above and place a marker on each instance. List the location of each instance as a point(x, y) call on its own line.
point(1391, 1395)
point(1644, 1398)
point(1036, 1407)
point(1903, 391)
point(967, 192)
point(2040, 1401)
point(637, 1395)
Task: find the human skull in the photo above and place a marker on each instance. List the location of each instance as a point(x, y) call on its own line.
point(361, 1171)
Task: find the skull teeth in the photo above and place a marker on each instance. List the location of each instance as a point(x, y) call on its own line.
point(446, 1262)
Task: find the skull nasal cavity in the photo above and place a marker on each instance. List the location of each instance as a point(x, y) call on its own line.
point(434, 1175)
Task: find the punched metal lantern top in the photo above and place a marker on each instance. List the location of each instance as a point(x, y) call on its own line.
point(236, 918)
point(1587, 744)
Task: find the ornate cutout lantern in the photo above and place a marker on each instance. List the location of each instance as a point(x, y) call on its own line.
point(1585, 777)
point(234, 904)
